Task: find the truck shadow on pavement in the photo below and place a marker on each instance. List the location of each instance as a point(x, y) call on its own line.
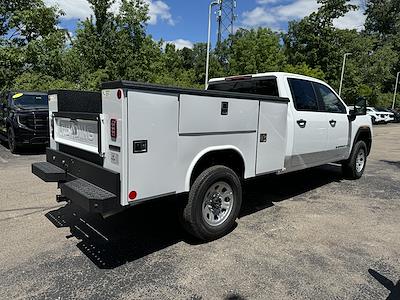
point(261, 192)
point(388, 284)
point(148, 228)
point(392, 163)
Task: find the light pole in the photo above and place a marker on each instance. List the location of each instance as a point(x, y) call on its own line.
point(341, 78)
point(395, 90)
point(209, 39)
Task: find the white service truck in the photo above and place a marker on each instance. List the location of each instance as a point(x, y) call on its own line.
point(134, 142)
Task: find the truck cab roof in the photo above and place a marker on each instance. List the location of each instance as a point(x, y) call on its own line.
point(261, 75)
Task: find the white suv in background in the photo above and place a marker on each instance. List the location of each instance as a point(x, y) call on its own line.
point(378, 117)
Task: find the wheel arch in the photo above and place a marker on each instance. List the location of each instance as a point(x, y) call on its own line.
point(229, 156)
point(364, 134)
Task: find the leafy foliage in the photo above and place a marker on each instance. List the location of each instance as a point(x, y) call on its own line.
point(36, 55)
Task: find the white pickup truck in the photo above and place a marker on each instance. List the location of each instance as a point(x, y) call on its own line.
point(135, 142)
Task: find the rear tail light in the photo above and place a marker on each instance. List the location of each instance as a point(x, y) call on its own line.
point(113, 129)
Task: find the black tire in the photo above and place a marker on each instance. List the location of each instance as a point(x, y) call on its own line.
point(373, 119)
point(349, 167)
point(12, 145)
point(192, 218)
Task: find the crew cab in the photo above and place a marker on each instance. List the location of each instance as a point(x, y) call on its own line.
point(135, 142)
point(24, 119)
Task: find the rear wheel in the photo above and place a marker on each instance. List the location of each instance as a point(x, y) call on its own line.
point(214, 203)
point(354, 167)
point(12, 145)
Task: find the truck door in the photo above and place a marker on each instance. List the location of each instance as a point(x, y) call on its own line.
point(338, 122)
point(310, 125)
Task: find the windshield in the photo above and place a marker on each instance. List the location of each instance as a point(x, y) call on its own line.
point(26, 100)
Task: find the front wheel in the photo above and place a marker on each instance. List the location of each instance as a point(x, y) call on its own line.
point(12, 145)
point(354, 167)
point(214, 203)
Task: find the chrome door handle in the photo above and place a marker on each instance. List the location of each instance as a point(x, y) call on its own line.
point(302, 123)
point(333, 123)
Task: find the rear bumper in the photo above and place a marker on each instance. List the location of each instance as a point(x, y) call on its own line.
point(90, 186)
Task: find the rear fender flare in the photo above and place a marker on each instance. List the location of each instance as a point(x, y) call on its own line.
point(199, 155)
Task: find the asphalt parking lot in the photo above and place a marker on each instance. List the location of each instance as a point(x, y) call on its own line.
point(308, 235)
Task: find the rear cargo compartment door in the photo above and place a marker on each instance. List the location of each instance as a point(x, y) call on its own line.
point(152, 144)
point(79, 130)
point(271, 144)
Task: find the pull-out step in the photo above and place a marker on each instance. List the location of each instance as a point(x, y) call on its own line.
point(48, 172)
point(89, 196)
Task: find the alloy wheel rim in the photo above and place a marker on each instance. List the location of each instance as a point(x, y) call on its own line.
point(218, 203)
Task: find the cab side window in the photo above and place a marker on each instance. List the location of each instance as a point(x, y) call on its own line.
point(329, 101)
point(303, 94)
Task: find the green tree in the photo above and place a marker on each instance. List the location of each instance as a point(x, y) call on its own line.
point(28, 30)
point(383, 17)
point(304, 69)
point(255, 50)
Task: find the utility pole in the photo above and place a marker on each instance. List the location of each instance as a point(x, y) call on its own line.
point(395, 90)
point(343, 67)
point(212, 4)
point(226, 17)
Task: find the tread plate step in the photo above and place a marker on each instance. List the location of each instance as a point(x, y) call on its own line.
point(89, 196)
point(88, 190)
point(48, 172)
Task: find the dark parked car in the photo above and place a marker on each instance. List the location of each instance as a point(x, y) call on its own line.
point(24, 119)
point(395, 112)
point(396, 115)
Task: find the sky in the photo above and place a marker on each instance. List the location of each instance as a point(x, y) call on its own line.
point(184, 22)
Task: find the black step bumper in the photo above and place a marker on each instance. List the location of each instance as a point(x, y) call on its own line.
point(90, 186)
point(89, 196)
point(48, 172)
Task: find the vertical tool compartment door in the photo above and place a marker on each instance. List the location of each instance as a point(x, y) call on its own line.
point(271, 143)
point(152, 144)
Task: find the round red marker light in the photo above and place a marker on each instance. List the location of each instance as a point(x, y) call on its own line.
point(119, 94)
point(132, 195)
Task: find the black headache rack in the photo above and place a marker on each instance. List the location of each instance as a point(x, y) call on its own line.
point(86, 184)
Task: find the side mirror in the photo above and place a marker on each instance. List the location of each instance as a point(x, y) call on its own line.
point(359, 108)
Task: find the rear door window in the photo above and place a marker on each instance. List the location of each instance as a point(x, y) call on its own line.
point(303, 94)
point(266, 87)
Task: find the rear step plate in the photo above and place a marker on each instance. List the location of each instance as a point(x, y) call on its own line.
point(89, 196)
point(48, 172)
